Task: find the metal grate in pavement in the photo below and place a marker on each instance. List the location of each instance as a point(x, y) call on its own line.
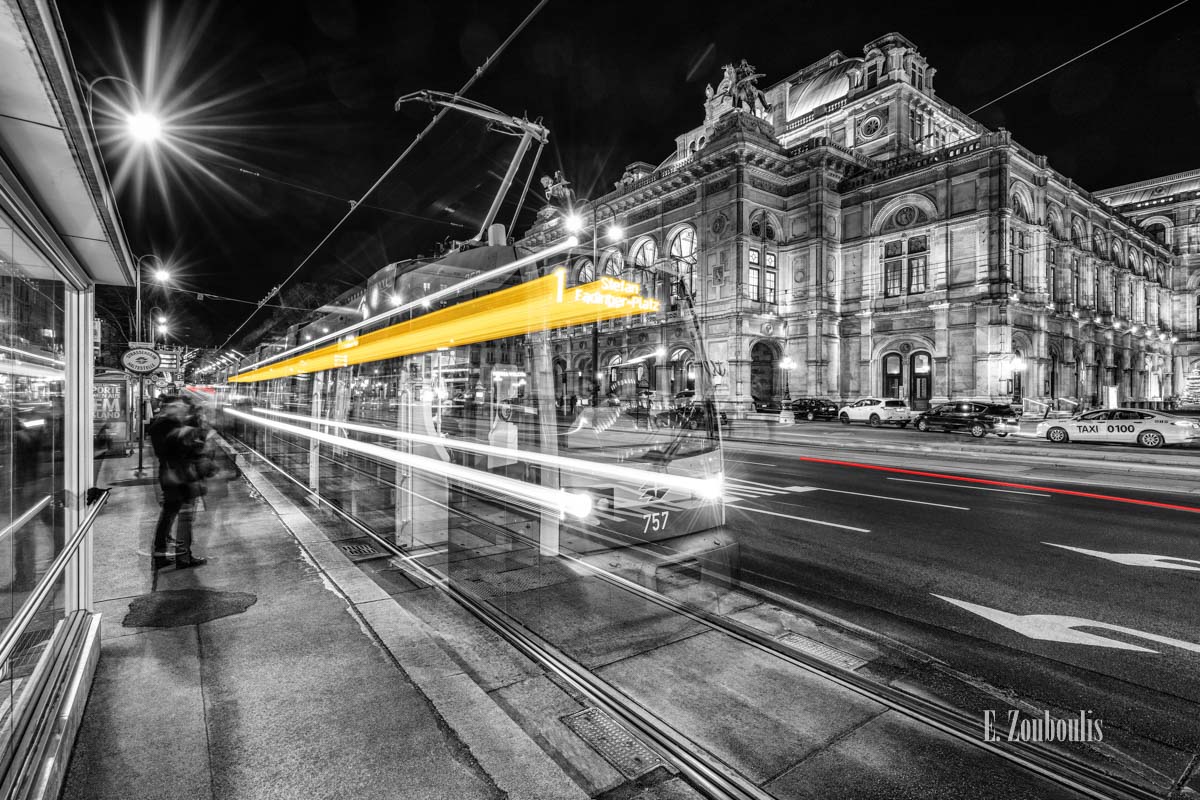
point(609, 739)
point(359, 551)
point(821, 650)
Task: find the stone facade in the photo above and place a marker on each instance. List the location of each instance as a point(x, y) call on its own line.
point(872, 239)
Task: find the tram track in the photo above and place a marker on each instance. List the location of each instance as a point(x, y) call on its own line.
point(705, 771)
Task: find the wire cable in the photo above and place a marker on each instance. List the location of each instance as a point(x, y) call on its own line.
point(1076, 58)
point(479, 71)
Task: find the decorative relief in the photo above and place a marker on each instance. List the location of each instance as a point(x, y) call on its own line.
point(642, 216)
point(679, 201)
point(720, 224)
point(720, 184)
point(767, 186)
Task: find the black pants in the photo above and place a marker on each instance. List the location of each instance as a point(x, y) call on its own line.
point(177, 502)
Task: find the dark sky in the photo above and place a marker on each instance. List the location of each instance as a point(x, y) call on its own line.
point(302, 91)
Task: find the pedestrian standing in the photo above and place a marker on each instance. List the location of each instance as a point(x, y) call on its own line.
point(182, 479)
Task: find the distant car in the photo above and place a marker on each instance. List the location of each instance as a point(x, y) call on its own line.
point(1122, 425)
point(767, 406)
point(876, 412)
point(811, 408)
point(979, 419)
point(693, 414)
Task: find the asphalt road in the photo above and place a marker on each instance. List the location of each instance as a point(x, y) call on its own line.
point(900, 553)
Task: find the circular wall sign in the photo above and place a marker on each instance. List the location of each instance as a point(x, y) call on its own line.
point(141, 360)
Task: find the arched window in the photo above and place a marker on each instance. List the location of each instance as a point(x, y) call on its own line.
point(612, 264)
point(1019, 208)
point(645, 253)
point(683, 254)
point(1158, 232)
point(761, 228)
point(586, 272)
point(1077, 236)
point(1098, 243)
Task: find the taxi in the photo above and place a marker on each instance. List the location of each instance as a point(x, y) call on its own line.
point(1123, 426)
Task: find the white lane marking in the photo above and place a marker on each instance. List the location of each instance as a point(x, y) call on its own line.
point(876, 496)
point(968, 486)
point(1137, 559)
point(1054, 628)
point(753, 484)
point(801, 519)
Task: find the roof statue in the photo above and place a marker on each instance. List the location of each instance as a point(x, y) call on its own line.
point(557, 188)
point(739, 84)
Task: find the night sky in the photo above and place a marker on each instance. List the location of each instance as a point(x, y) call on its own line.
point(302, 92)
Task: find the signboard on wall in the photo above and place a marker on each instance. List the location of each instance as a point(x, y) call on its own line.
point(110, 414)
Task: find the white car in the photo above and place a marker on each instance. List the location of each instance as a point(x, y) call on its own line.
point(1122, 425)
point(875, 412)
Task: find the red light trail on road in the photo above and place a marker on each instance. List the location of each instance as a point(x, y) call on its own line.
point(1010, 484)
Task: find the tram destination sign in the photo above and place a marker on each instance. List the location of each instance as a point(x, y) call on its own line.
point(140, 360)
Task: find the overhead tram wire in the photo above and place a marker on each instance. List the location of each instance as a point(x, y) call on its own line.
point(1081, 55)
point(327, 195)
point(475, 76)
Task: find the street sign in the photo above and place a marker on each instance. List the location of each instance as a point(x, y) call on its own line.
point(140, 360)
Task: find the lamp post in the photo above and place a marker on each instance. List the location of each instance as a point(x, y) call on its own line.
point(615, 234)
point(161, 275)
point(787, 365)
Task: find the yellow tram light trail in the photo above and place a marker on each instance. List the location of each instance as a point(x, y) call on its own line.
point(556, 500)
point(711, 488)
point(538, 305)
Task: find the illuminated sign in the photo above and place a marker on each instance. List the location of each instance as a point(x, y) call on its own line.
point(616, 293)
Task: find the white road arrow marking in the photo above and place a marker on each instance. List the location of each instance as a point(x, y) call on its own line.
point(1054, 628)
point(1137, 559)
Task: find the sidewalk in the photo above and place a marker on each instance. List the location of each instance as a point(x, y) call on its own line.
point(254, 677)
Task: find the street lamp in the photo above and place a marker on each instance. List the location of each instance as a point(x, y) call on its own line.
point(787, 365)
point(615, 234)
point(141, 124)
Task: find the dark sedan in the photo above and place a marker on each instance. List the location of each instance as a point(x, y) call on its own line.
point(978, 418)
point(811, 408)
point(693, 415)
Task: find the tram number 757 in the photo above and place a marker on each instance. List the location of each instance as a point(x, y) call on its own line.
point(656, 521)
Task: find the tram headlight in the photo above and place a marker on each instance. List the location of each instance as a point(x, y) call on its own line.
point(713, 488)
point(577, 505)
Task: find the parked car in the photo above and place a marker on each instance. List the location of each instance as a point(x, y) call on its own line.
point(979, 419)
point(875, 412)
point(693, 414)
point(771, 405)
point(1123, 425)
point(811, 408)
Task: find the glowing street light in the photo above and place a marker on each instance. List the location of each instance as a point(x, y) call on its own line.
point(574, 223)
point(161, 275)
point(615, 233)
point(144, 127)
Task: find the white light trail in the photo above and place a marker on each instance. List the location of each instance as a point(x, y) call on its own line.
point(558, 500)
point(706, 488)
point(424, 302)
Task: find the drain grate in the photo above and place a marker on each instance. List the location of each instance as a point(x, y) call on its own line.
point(821, 650)
point(359, 550)
point(632, 758)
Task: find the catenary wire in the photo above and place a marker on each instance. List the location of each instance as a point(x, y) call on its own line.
point(476, 75)
point(1081, 55)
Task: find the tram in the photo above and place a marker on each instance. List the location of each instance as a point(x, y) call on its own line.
point(433, 418)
